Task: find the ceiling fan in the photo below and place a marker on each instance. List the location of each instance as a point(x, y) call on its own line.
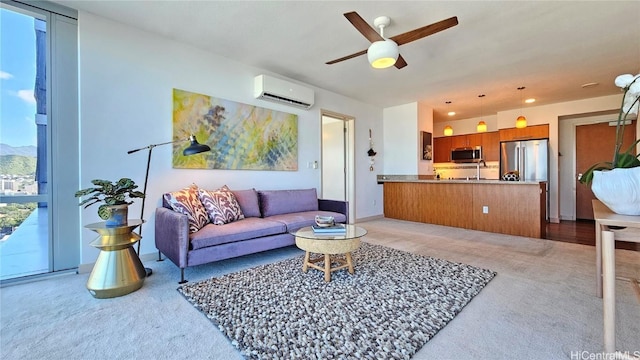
point(383, 52)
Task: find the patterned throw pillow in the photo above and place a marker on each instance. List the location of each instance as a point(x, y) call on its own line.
point(221, 205)
point(186, 202)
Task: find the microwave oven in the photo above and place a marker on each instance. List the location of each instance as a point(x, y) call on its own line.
point(467, 154)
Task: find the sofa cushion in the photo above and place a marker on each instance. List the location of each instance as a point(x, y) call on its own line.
point(186, 202)
point(275, 202)
point(248, 228)
point(248, 200)
point(298, 220)
point(221, 205)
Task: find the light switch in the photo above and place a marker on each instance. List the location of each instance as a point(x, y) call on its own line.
point(485, 209)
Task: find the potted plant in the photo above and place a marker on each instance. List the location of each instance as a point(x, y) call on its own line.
point(114, 196)
point(616, 183)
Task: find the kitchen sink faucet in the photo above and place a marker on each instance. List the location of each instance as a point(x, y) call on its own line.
point(478, 168)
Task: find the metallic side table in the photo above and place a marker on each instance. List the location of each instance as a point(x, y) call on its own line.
point(118, 270)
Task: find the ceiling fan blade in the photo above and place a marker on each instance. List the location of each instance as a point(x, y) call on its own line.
point(346, 57)
point(363, 27)
point(400, 63)
point(419, 33)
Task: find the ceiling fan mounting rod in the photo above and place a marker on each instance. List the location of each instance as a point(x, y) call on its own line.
point(381, 22)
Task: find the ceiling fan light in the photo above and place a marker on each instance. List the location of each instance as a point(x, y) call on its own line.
point(383, 54)
point(482, 126)
point(521, 122)
point(448, 130)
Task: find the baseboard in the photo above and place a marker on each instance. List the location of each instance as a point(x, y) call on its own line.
point(369, 218)
point(85, 268)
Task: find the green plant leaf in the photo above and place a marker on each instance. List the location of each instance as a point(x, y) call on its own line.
point(104, 212)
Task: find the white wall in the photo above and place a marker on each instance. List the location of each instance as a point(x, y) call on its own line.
point(126, 81)
point(466, 126)
point(401, 139)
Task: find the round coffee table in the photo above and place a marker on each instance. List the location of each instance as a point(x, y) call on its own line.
point(329, 244)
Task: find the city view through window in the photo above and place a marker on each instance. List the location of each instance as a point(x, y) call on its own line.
point(22, 131)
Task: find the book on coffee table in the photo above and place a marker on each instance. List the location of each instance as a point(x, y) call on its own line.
point(333, 229)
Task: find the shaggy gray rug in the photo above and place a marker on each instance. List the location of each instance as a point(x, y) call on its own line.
point(393, 304)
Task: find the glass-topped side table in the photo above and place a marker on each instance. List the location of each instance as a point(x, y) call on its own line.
point(118, 270)
point(329, 244)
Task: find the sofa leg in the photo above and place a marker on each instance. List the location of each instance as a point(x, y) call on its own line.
point(182, 280)
point(160, 256)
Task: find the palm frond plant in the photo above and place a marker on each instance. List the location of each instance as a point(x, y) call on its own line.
point(629, 158)
point(109, 193)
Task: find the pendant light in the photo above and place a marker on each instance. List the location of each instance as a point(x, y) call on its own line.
point(482, 126)
point(521, 121)
point(448, 130)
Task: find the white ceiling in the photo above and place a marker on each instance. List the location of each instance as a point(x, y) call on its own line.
point(550, 47)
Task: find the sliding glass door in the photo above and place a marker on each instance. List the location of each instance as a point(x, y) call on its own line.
point(38, 48)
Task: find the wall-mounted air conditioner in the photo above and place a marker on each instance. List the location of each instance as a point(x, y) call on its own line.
point(273, 89)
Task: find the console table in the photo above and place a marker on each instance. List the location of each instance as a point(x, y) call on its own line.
point(606, 262)
point(118, 270)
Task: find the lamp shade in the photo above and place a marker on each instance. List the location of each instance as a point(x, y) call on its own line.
point(195, 147)
point(521, 122)
point(482, 126)
point(383, 54)
point(448, 130)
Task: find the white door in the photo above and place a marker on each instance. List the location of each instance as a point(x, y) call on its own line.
point(334, 185)
point(337, 160)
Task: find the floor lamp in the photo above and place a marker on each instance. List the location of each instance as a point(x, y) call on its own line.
point(194, 148)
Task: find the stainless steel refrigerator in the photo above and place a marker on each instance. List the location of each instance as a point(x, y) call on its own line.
point(529, 158)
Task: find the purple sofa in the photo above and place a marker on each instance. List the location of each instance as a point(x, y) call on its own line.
point(269, 217)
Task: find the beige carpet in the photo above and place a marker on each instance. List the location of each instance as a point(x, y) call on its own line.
point(541, 305)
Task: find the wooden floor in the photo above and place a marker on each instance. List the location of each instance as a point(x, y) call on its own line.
point(581, 232)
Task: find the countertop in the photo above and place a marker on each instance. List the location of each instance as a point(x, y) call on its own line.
point(430, 179)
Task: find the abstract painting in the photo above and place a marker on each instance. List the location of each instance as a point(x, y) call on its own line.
point(241, 136)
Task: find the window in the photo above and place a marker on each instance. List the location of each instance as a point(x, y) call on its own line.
point(38, 128)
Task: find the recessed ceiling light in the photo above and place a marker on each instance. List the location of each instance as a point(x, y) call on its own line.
point(451, 113)
point(591, 84)
point(529, 101)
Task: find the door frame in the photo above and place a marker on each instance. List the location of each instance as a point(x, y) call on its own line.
point(349, 158)
point(567, 159)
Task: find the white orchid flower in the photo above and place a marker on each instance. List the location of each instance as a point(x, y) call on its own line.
point(622, 81)
point(634, 89)
point(630, 105)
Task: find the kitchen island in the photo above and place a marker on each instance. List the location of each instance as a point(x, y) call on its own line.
point(506, 207)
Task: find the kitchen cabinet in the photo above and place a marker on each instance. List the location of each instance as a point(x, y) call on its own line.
point(469, 140)
point(490, 142)
point(442, 149)
point(505, 207)
point(530, 132)
point(491, 146)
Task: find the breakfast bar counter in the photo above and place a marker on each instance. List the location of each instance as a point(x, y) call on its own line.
point(506, 207)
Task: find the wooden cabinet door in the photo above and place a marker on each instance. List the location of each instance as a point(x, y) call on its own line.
point(491, 146)
point(530, 132)
point(441, 149)
point(538, 131)
point(459, 141)
point(474, 140)
point(594, 143)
